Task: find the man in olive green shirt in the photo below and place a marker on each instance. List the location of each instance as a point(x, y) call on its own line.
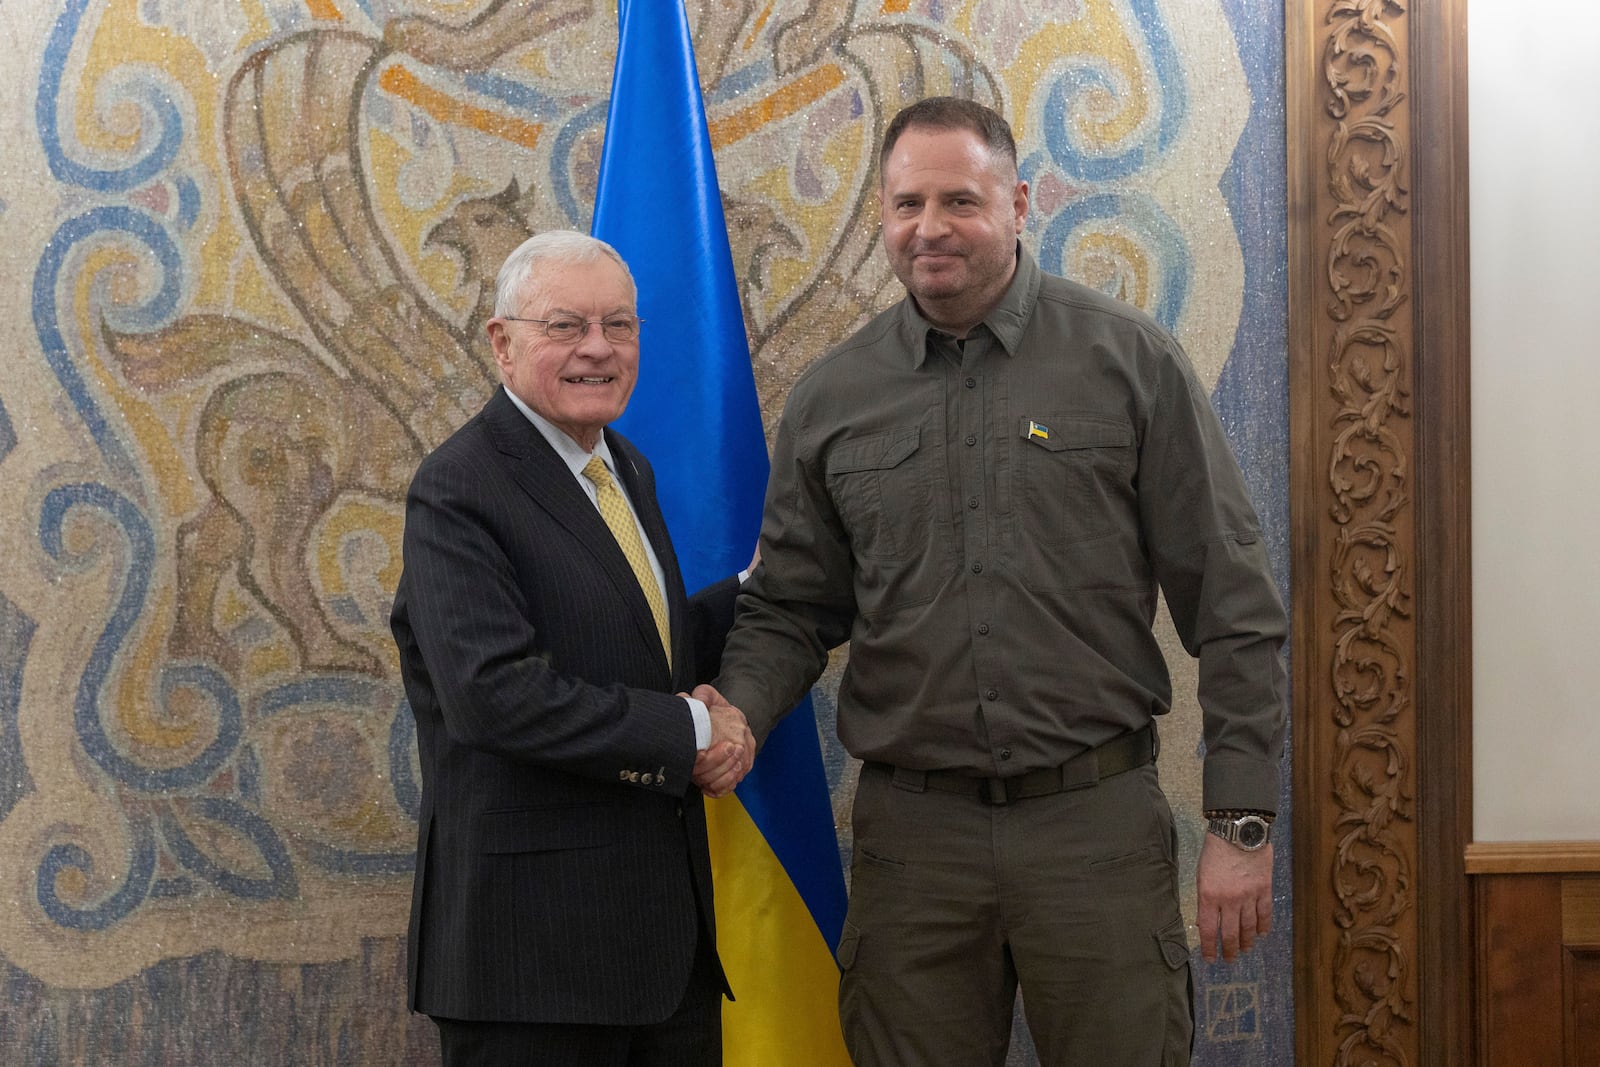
point(982, 491)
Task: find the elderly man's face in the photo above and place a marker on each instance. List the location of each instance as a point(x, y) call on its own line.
point(581, 385)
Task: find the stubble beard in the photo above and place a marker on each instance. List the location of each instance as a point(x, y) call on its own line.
point(964, 293)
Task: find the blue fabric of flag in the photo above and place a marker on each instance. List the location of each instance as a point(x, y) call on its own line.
point(695, 411)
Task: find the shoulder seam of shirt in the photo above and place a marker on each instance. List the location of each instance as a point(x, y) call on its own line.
point(1078, 295)
point(867, 335)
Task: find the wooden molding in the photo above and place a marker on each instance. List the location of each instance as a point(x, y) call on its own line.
point(1380, 518)
point(1442, 317)
point(1353, 483)
point(1533, 857)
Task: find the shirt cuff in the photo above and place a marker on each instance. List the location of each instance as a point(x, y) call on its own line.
point(702, 724)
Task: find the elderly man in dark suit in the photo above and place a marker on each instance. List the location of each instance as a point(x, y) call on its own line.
point(562, 908)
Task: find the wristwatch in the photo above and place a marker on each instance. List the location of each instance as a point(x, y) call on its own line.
point(1248, 832)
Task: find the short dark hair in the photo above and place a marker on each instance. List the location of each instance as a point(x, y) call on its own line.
point(951, 113)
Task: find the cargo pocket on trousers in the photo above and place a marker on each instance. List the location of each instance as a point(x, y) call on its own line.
point(849, 938)
point(1173, 942)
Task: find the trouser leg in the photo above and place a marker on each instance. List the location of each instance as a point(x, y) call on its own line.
point(927, 980)
point(1092, 916)
point(690, 1037)
point(505, 1044)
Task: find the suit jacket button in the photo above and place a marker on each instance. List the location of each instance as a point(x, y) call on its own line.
point(622, 776)
point(647, 779)
point(680, 811)
point(633, 776)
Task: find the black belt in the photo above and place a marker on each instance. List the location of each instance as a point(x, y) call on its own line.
point(1085, 769)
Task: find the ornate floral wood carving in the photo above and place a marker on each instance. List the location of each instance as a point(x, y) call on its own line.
point(1371, 543)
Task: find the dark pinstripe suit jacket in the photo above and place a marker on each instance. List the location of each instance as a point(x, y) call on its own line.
point(562, 868)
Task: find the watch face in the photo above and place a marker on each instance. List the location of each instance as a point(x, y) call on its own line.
point(1252, 833)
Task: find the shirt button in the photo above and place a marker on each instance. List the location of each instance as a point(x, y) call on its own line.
point(972, 439)
point(992, 694)
point(977, 568)
point(972, 502)
point(972, 383)
point(983, 628)
point(1005, 753)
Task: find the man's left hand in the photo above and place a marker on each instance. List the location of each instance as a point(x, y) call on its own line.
point(1235, 897)
point(719, 768)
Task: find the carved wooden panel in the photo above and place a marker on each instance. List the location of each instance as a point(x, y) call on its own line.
point(1376, 99)
point(1351, 388)
point(1370, 569)
point(1378, 390)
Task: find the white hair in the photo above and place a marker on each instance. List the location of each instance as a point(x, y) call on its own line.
point(546, 251)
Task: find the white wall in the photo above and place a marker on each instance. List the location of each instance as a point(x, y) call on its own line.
point(1535, 187)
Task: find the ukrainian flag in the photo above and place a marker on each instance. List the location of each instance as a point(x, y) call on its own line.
point(780, 888)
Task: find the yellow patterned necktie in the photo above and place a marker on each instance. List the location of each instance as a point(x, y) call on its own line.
point(614, 509)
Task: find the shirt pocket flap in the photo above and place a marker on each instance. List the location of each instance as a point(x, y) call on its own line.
point(538, 830)
point(1061, 433)
point(877, 452)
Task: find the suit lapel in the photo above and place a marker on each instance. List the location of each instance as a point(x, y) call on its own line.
point(549, 482)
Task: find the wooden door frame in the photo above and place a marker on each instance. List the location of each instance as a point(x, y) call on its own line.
point(1380, 469)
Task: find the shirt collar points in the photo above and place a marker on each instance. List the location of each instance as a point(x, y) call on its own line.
point(1007, 322)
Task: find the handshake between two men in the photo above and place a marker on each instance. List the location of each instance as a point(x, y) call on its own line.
point(722, 765)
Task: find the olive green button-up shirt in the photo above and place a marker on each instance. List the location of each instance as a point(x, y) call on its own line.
point(988, 522)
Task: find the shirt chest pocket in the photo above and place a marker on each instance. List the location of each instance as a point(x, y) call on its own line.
point(881, 488)
point(1075, 480)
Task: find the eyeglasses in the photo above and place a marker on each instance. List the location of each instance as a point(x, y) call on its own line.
point(616, 328)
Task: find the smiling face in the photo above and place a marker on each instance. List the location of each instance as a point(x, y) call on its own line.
point(952, 211)
point(581, 385)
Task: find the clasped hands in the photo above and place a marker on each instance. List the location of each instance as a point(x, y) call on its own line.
point(722, 765)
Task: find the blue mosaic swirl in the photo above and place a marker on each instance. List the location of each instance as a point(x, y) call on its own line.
point(279, 884)
point(140, 544)
point(1091, 164)
point(561, 162)
point(157, 310)
point(61, 859)
point(335, 691)
point(1158, 236)
point(153, 102)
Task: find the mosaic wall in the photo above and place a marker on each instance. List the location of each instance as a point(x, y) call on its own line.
point(246, 248)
